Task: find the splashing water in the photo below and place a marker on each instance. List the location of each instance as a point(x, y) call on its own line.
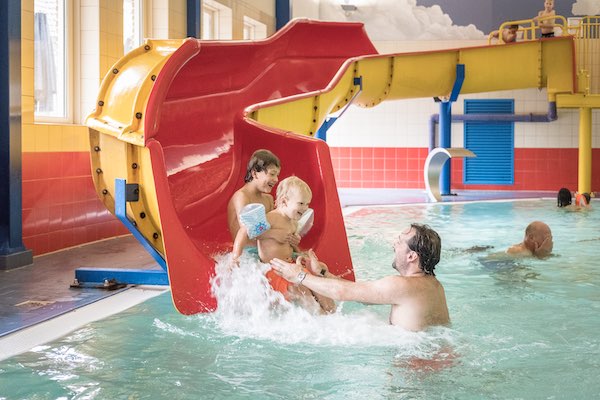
point(248, 307)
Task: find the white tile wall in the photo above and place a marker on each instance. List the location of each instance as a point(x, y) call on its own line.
point(405, 123)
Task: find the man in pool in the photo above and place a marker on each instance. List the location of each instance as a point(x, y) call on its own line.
point(536, 243)
point(417, 298)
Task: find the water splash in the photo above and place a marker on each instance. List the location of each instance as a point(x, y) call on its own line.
point(249, 308)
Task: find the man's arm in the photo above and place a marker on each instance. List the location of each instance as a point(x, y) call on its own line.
point(387, 290)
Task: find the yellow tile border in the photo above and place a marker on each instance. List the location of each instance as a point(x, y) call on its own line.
point(38, 138)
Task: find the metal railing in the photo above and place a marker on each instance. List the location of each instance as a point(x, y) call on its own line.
point(587, 48)
point(586, 32)
point(527, 28)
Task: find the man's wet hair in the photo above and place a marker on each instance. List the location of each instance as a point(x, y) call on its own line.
point(564, 197)
point(261, 160)
point(427, 244)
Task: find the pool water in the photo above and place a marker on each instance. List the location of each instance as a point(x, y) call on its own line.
point(520, 329)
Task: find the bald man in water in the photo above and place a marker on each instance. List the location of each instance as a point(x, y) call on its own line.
point(417, 298)
point(536, 243)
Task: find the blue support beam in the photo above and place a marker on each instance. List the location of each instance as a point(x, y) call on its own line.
point(13, 253)
point(194, 19)
point(283, 13)
point(121, 275)
point(446, 128)
point(86, 276)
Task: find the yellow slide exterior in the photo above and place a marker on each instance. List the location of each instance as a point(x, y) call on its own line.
point(116, 127)
point(532, 64)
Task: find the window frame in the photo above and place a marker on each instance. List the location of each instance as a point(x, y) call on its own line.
point(141, 22)
point(223, 20)
point(69, 70)
point(258, 29)
point(213, 14)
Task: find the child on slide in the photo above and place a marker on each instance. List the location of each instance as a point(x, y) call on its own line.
point(293, 199)
point(262, 174)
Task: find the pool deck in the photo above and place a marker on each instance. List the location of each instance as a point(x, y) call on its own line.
point(38, 305)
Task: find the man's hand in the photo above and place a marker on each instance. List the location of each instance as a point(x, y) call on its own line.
point(544, 249)
point(287, 270)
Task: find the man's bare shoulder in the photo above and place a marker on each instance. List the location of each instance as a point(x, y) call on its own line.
point(396, 289)
point(393, 284)
point(518, 250)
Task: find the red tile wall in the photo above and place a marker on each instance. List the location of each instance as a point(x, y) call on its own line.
point(535, 169)
point(60, 205)
point(61, 208)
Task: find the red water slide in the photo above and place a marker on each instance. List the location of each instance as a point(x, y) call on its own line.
point(200, 142)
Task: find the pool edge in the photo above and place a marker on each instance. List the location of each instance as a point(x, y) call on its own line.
point(26, 339)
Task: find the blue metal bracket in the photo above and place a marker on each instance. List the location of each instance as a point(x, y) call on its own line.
point(108, 277)
point(121, 198)
point(446, 125)
point(458, 82)
point(329, 121)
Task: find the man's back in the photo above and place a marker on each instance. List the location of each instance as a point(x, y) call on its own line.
point(421, 303)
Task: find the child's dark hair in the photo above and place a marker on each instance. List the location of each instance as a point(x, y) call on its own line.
point(261, 160)
point(564, 197)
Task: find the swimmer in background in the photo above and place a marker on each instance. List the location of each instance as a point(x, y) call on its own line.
point(536, 243)
point(583, 200)
point(293, 199)
point(564, 198)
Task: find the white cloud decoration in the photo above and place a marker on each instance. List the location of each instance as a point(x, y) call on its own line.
point(586, 7)
point(399, 20)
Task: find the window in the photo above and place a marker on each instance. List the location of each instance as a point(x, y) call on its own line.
point(210, 22)
point(132, 25)
point(216, 21)
point(51, 65)
point(254, 29)
point(249, 31)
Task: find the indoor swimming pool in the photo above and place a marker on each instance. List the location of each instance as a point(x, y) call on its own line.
point(520, 328)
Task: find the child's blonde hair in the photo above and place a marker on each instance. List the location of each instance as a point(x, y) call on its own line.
point(287, 185)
